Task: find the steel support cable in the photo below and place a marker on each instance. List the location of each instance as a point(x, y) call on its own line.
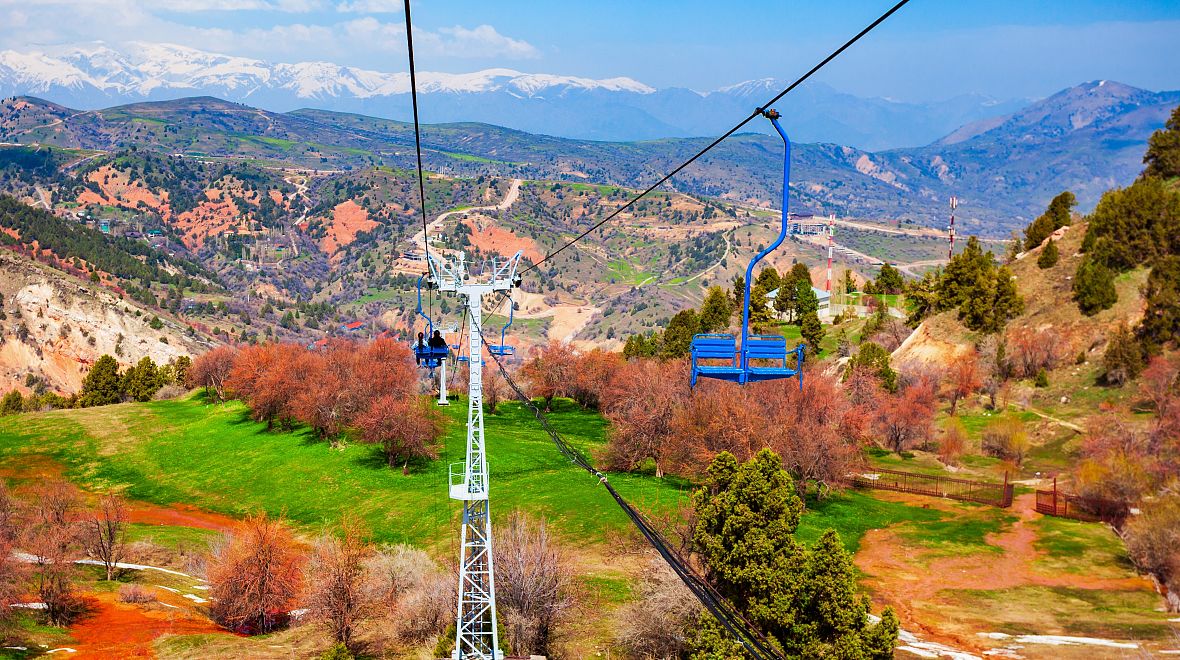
point(740, 629)
point(418, 146)
point(758, 111)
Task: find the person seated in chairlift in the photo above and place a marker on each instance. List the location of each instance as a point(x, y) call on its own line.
point(421, 348)
point(437, 341)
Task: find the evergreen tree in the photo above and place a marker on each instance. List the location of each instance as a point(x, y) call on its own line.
point(141, 381)
point(923, 296)
point(1134, 226)
point(642, 346)
point(12, 403)
point(876, 358)
point(739, 291)
point(805, 602)
point(716, 311)
point(890, 280)
point(806, 302)
point(1049, 255)
point(102, 385)
point(1007, 303)
point(1093, 286)
point(813, 332)
point(1124, 357)
point(678, 334)
point(1163, 150)
point(1161, 319)
point(1054, 218)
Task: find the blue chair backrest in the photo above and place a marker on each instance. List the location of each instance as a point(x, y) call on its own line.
point(766, 347)
point(714, 347)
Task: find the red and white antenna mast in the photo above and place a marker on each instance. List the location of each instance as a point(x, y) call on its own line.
point(951, 229)
point(831, 232)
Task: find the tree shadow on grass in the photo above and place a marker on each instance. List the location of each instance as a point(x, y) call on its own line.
point(372, 457)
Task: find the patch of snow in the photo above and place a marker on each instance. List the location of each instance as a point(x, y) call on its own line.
point(29, 606)
point(64, 649)
point(299, 613)
point(196, 599)
point(160, 586)
point(1062, 640)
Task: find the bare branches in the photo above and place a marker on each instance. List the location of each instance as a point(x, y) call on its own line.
point(335, 579)
point(254, 575)
point(534, 583)
point(105, 532)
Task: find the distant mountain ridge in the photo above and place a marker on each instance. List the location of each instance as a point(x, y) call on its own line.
point(1088, 139)
point(615, 109)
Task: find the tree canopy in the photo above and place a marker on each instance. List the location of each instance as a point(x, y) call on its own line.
point(804, 600)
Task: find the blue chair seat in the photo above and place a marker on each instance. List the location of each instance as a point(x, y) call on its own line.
point(718, 347)
point(430, 357)
point(501, 349)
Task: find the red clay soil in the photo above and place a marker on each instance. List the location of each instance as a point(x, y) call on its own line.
point(348, 220)
point(906, 585)
point(489, 237)
point(112, 630)
point(179, 515)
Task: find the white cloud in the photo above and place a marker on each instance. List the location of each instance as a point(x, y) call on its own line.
point(371, 7)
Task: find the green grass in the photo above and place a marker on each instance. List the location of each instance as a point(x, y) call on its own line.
point(172, 537)
point(216, 458)
point(1064, 610)
point(960, 534)
point(622, 272)
point(852, 513)
point(1084, 548)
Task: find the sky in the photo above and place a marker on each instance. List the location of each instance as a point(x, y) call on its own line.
point(929, 50)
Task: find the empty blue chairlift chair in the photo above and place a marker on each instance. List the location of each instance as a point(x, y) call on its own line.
point(758, 357)
point(426, 355)
point(504, 349)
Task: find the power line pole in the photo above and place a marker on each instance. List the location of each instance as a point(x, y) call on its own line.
point(831, 237)
point(951, 229)
point(475, 626)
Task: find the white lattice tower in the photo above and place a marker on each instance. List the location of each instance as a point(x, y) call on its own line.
point(475, 625)
point(831, 235)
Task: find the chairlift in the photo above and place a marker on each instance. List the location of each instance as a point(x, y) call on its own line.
point(504, 349)
point(758, 357)
point(427, 356)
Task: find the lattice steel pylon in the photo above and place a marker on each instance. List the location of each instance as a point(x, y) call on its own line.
point(475, 626)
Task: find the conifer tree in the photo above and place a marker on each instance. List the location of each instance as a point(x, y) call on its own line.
point(141, 381)
point(1123, 359)
point(678, 334)
point(716, 311)
point(805, 602)
point(1163, 150)
point(1054, 218)
point(1049, 255)
point(102, 385)
point(1161, 319)
point(1093, 286)
point(889, 280)
point(876, 359)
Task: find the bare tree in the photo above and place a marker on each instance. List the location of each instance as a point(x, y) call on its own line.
point(418, 597)
point(335, 578)
point(254, 575)
point(534, 583)
point(212, 369)
point(105, 532)
point(51, 536)
point(12, 572)
point(656, 625)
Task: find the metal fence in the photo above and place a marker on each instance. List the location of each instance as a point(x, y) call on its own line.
point(1094, 509)
point(983, 492)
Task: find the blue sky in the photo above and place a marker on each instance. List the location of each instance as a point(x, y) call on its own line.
point(929, 50)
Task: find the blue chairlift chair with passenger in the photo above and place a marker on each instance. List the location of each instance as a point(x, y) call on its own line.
point(758, 357)
point(427, 356)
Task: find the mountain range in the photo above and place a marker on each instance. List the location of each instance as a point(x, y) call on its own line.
point(616, 109)
point(1088, 139)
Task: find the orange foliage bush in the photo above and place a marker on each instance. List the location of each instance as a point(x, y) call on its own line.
point(254, 576)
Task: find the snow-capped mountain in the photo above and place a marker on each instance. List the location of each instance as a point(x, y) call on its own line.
point(99, 75)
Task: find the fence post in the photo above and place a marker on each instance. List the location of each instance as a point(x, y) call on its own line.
point(1054, 495)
